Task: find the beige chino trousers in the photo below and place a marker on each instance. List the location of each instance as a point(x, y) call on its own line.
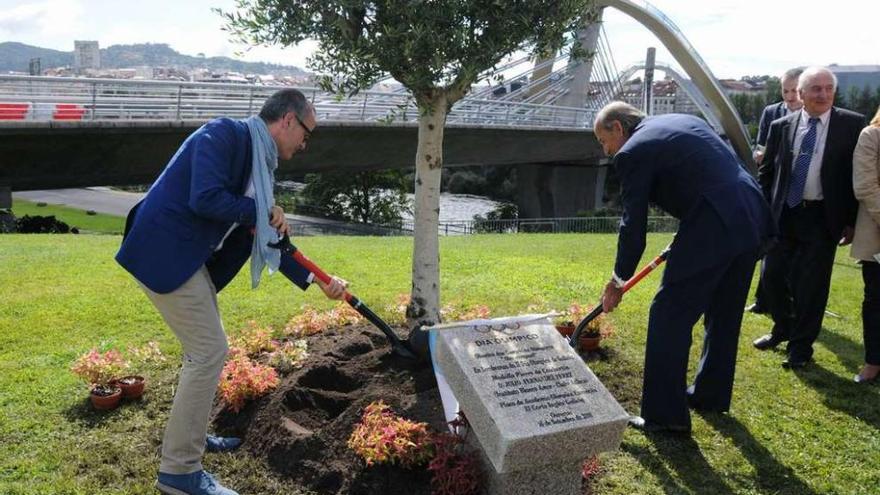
point(192, 313)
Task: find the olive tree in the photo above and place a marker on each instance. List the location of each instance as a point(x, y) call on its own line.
point(436, 48)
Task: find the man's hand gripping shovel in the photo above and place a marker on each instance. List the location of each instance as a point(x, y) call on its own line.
point(576, 335)
point(398, 346)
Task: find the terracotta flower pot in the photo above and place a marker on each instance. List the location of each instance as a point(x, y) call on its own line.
point(565, 330)
point(132, 386)
point(587, 342)
point(105, 397)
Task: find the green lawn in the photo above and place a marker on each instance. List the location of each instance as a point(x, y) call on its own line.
point(803, 433)
point(91, 224)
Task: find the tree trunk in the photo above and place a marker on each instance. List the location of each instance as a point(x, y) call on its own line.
point(424, 306)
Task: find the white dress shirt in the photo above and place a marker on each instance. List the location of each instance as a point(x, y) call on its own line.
point(813, 186)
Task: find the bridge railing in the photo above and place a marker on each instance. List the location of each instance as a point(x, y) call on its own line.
point(121, 99)
point(593, 225)
point(588, 225)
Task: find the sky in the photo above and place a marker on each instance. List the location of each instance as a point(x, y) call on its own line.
point(735, 37)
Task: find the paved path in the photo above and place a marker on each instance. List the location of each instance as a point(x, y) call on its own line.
point(100, 199)
point(118, 203)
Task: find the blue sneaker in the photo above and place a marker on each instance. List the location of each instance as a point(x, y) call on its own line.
point(197, 483)
point(221, 444)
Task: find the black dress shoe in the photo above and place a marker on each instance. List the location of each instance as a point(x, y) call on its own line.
point(795, 364)
point(766, 342)
point(757, 309)
point(639, 423)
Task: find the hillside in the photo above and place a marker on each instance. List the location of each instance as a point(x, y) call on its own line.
point(15, 56)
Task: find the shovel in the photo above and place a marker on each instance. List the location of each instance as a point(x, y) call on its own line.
point(398, 346)
point(576, 335)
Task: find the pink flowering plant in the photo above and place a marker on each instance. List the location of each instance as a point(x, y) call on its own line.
point(243, 379)
point(99, 369)
point(383, 437)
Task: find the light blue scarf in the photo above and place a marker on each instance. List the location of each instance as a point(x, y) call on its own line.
point(265, 161)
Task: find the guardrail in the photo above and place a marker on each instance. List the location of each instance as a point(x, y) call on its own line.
point(40, 99)
point(589, 225)
point(593, 225)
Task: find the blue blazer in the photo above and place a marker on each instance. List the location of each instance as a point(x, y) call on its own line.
point(178, 225)
point(680, 164)
point(770, 113)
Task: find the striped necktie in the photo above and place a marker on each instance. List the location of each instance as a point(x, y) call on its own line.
point(802, 166)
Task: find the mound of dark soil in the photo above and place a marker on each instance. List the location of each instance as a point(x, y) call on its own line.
point(301, 429)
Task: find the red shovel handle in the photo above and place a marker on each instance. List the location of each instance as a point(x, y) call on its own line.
point(316, 271)
point(646, 270)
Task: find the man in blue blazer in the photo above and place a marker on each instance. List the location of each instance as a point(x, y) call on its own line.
point(791, 102)
point(189, 237)
point(679, 163)
point(807, 177)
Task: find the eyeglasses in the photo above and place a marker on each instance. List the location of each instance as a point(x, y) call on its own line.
point(308, 132)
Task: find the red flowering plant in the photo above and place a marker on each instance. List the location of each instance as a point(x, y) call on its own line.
point(383, 437)
point(243, 379)
point(454, 470)
point(99, 370)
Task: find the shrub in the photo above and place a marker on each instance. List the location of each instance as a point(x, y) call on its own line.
point(383, 437)
point(312, 321)
point(289, 356)
point(454, 471)
point(98, 369)
point(243, 380)
point(147, 354)
point(254, 339)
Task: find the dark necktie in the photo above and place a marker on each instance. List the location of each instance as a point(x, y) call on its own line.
point(802, 166)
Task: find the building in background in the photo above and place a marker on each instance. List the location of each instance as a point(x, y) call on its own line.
point(858, 76)
point(86, 55)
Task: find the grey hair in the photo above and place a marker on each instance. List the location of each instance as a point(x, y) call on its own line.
point(628, 116)
point(811, 72)
point(283, 101)
point(791, 74)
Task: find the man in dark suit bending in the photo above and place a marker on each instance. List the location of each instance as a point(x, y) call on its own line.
point(679, 163)
point(806, 175)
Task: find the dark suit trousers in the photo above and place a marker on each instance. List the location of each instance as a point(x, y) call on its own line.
point(760, 297)
point(871, 311)
point(797, 278)
point(719, 292)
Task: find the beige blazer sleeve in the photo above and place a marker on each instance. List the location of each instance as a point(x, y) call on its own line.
point(866, 171)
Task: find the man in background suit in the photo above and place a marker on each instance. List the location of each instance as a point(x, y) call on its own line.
point(791, 102)
point(806, 175)
point(679, 163)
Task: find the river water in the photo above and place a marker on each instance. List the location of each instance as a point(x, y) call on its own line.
point(453, 207)
point(456, 207)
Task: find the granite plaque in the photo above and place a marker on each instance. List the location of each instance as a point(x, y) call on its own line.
point(528, 396)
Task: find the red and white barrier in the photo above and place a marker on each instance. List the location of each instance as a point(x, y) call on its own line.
point(41, 111)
